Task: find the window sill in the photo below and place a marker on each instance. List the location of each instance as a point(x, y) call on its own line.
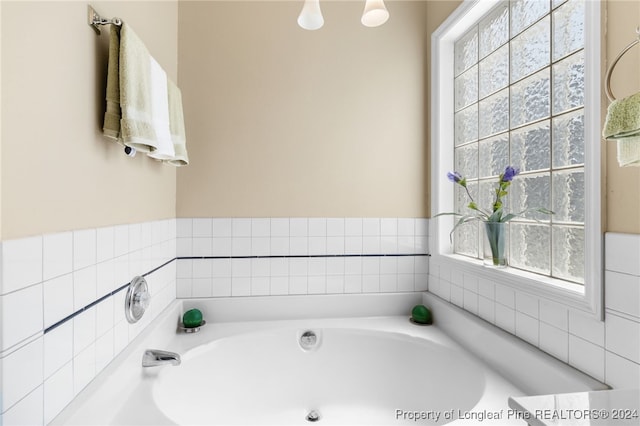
point(570, 294)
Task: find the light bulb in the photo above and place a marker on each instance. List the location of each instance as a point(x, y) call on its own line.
point(311, 16)
point(375, 13)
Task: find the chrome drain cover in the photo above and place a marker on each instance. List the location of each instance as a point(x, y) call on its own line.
point(308, 341)
point(313, 416)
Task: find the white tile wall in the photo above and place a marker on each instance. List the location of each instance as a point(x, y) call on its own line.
point(300, 236)
point(22, 372)
point(28, 411)
point(279, 238)
point(56, 259)
point(49, 277)
point(554, 341)
point(22, 315)
point(58, 391)
point(21, 264)
point(623, 337)
point(608, 351)
point(46, 279)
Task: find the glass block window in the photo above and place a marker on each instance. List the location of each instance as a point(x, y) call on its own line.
point(519, 88)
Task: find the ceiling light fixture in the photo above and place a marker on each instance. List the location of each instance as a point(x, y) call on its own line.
point(310, 18)
point(375, 13)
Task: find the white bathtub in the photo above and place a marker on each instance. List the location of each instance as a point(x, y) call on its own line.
point(365, 370)
point(355, 375)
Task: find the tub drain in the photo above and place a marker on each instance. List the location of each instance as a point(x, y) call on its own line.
point(313, 416)
point(308, 341)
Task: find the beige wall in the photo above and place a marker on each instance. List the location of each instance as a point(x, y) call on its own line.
point(1, 97)
point(58, 172)
point(623, 184)
point(287, 122)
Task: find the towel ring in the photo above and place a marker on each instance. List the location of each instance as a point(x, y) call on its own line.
point(607, 85)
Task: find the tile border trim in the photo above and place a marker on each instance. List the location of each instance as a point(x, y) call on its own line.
point(292, 256)
point(106, 296)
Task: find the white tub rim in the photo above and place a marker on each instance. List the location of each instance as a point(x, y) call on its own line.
point(459, 325)
point(543, 374)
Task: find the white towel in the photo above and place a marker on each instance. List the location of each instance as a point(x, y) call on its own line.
point(629, 151)
point(160, 113)
point(176, 122)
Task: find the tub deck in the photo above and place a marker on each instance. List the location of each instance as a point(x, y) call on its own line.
point(123, 394)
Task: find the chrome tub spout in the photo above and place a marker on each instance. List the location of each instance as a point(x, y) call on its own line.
point(155, 357)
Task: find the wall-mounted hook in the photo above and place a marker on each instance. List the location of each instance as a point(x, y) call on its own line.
point(95, 19)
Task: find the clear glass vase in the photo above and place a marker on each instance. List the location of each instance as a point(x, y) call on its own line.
point(495, 244)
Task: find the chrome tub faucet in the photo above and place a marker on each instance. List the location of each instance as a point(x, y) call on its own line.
point(155, 357)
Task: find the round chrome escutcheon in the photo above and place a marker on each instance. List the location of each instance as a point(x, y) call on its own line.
point(137, 299)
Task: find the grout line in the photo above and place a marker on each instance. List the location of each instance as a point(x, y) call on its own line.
point(156, 269)
point(622, 314)
point(298, 256)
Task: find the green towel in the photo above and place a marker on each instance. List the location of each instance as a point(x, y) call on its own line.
point(176, 124)
point(111, 127)
point(623, 118)
point(136, 98)
point(127, 118)
point(623, 125)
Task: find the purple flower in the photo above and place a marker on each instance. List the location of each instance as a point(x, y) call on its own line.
point(496, 214)
point(454, 177)
point(509, 174)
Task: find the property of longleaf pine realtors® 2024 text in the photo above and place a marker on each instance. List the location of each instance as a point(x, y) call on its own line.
point(614, 414)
